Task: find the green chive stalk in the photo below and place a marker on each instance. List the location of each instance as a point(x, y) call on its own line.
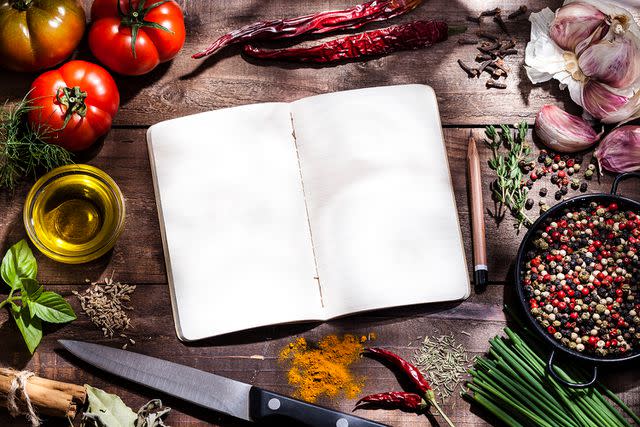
point(512, 384)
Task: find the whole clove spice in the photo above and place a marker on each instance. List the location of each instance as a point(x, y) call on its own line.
point(483, 57)
point(520, 11)
point(482, 67)
point(487, 36)
point(471, 72)
point(507, 52)
point(467, 40)
point(498, 20)
point(491, 12)
point(495, 84)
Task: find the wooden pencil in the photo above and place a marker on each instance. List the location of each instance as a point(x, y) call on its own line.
point(479, 243)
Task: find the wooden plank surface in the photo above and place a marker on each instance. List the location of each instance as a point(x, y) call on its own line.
point(187, 86)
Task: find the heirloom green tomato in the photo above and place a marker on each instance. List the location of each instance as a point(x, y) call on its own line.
point(38, 34)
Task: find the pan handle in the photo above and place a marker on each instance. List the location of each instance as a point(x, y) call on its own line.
point(553, 373)
point(622, 177)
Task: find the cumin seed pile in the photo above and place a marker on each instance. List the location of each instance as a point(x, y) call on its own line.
point(443, 363)
point(106, 304)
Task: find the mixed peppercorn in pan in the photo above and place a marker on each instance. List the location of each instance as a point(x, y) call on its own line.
point(582, 277)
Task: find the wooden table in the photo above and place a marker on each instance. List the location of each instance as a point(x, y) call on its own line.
point(185, 86)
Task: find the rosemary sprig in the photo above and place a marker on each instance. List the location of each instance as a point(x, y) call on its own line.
point(509, 189)
point(23, 151)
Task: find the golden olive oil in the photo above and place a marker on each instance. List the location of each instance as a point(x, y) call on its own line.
point(74, 214)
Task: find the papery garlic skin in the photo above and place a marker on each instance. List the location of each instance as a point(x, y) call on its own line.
point(619, 151)
point(544, 59)
point(575, 22)
point(562, 131)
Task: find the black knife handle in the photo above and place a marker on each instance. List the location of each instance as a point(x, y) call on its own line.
point(264, 404)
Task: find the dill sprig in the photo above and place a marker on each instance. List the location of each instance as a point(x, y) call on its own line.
point(23, 150)
point(509, 189)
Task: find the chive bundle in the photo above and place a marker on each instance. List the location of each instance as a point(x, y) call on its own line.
point(512, 384)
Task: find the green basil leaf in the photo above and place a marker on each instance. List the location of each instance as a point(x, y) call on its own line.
point(108, 409)
point(32, 289)
point(30, 328)
point(18, 262)
point(52, 308)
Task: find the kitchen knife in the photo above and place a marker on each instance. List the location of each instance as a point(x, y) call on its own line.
point(208, 390)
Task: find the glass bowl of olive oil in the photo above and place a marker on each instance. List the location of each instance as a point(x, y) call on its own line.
point(74, 214)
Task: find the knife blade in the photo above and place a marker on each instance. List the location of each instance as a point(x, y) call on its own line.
point(209, 390)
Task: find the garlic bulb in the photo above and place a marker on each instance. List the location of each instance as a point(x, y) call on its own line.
point(593, 49)
point(562, 131)
point(620, 150)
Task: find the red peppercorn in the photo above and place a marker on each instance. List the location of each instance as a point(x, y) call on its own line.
point(585, 291)
point(573, 315)
point(562, 174)
point(593, 340)
point(535, 261)
point(551, 330)
point(571, 162)
point(533, 176)
point(613, 207)
point(561, 294)
point(562, 305)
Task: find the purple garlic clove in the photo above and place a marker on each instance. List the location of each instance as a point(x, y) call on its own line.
point(562, 131)
point(619, 151)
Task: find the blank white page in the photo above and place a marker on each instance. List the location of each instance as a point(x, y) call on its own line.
point(235, 230)
point(381, 206)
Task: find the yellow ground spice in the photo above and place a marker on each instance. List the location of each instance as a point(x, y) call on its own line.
point(324, 369)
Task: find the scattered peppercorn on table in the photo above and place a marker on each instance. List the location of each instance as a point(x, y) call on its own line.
point(187, 86)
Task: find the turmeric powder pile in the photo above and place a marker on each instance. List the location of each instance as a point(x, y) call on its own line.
point(323, 369)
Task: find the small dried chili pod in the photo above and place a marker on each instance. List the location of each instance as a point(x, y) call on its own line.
point(316, 23)
point(396, 400)
point(414, 374)
point(410, 36)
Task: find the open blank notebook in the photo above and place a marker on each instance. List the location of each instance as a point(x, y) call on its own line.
point(287, 212)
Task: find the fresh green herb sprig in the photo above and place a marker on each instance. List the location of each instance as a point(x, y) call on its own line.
point(27, 301)
point(23, 151)
point(511, 382)
point(509, 189)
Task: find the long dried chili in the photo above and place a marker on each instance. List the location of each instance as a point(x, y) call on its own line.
point(395, 400)
point(414, 35)
point(317, 23)
point(414, 373)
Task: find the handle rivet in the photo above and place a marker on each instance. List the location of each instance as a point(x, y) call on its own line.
point(342, 422)
point(273, 404)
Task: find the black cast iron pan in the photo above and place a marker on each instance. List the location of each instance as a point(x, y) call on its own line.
point(527, 244)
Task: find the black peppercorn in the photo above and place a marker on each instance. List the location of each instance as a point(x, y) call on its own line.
point(543, 191)
point(528, 204)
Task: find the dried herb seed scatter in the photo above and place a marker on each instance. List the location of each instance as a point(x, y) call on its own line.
point(582, 277)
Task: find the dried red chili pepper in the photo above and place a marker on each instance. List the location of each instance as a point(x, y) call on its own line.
point(404, 400)
point(414, 374)
point(414, 35)
point(317, 23)
point(396, 399)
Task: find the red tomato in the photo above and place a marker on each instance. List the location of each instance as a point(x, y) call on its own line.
point(76, 102)
point(158, 34)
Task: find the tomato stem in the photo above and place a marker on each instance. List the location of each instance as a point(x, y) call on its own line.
point(73, 99)
point(21, 5)
point(134, 18)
